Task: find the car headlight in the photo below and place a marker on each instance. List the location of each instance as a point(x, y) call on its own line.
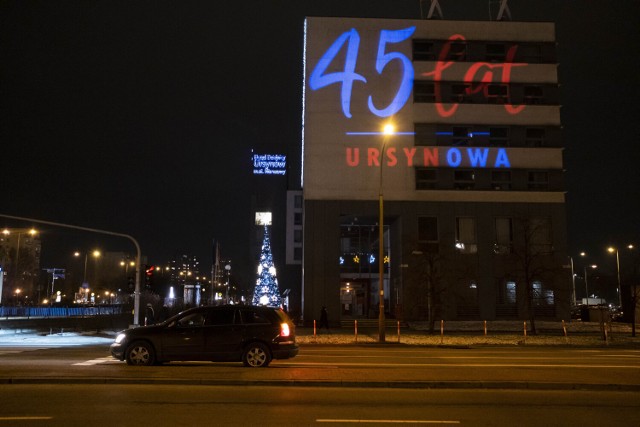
point(120, 338)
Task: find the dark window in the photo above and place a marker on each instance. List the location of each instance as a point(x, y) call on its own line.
point(425, 134)
point(427, 229)
point(535, 137)
point(501, 180)
point(461, 136)
point(530, 53)
point(463, 179)
point(498, 136)
point(423, 91)
point(504, 236)
point(457, 50)
point(297, 201)
point(253, 317)
point(497, 93)
point(533, 95)
point(190, 320)
point(495, 52)
point(297, 236)
point(538, 180)
point(297, 254)
point(297, 218)
point(466, 235)
point(423, 50)
point(426, 179)
point(220, 317)
point(460, 93)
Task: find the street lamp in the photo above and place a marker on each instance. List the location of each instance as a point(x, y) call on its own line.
point(95, 254)
point(388, 130)
point(16, 273)
point(586, 286)
point(611, 250)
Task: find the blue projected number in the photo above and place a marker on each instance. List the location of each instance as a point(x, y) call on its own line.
point(319, 79)
point(407, 77)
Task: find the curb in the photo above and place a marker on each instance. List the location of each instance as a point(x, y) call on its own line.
point(453, 385)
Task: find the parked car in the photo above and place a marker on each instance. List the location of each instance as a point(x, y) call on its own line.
point(248, 334)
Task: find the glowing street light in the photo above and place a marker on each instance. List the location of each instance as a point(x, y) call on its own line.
point(389, 130)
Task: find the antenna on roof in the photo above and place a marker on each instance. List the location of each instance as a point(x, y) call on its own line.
point(433, 10)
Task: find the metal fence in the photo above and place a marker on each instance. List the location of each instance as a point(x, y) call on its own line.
point(80, 311)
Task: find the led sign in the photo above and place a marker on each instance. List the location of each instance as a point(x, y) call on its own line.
point(430, 157)
point(269, 164)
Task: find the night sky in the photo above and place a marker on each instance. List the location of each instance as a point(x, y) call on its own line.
point(139, 116)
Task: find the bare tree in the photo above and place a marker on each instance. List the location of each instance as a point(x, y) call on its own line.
point(425, 286)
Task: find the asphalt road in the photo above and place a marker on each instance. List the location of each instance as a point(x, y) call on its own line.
point(386, 366)
point(187, 405)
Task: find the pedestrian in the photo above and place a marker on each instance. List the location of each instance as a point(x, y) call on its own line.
point(324, 318)
point(149, 315)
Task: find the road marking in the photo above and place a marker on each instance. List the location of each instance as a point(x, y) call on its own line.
point(468, 365)
point(329, 420)
point(98, 361)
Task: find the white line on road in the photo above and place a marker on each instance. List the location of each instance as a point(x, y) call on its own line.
point(467, 365)
point(24, 418)
point(96, 361)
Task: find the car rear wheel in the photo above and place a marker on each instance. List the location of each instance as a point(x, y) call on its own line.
point(256, 355)
point(140, 353)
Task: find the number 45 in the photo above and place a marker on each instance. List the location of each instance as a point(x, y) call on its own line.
point(319, 79)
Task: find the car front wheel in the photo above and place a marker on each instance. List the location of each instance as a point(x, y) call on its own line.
point(256, 355)
point(140, 353)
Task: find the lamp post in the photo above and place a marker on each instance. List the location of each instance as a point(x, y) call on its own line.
point(95, 254)
point(611, 250)
point(16, 273)
point(586, 286)
point(388, 130)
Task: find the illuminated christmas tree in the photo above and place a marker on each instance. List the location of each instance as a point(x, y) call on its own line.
point(266, 291)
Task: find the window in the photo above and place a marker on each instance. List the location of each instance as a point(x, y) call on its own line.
point(460, 93)
point(541, 295)
point(538, 180)
point(219, 317)
point(495, 52)
point(426, 179)
point(423, 91)
point(193, 319)
point(530, 53)
point(509, 293)
point(461, 136)
point(297, 236)
point(427, 229)
point(457, 51)
point(252, 317)
point(297, 202)
point(504, 236)
point(497, 93)
point(464, 179)
point(539, 234)
point(498, 136)
point(297, 254)
point(423, 50)
point(466, 235)
point(425, 134)
point(535, 137)
point(297, 218)
point(533, 95)
point(501, 180)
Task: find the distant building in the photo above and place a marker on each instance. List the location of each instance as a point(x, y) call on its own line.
point(471, 178)
point(20, 261)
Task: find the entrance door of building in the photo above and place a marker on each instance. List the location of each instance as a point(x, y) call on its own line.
point(355, 298)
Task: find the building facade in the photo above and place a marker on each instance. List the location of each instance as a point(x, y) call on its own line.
point(470, 180)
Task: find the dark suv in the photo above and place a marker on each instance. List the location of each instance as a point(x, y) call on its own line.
point(248, 334)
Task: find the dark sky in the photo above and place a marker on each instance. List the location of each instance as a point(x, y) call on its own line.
point(139, 116)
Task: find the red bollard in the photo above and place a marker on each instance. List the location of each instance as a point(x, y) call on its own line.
point(355, 325)
point(314, 328)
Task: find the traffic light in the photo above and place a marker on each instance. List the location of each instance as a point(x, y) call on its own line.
point(148, 276)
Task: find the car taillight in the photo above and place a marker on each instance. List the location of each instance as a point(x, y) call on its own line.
point(284, 330)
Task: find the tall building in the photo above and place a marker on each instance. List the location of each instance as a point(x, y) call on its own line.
point(470, 179)
point(20, 265)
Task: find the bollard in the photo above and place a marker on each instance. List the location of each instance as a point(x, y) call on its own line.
point(398, 331)
point(441, 331)
point(564, 328)
point(355, 325)
point(314, 328)
point(525, 331)
point(485, 328)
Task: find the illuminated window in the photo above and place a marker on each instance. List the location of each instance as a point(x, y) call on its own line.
point(423, 50)
point(541, 295)
point(466, 235)
point(426, 178)
point(498, 136)
point(538, 180)
point(504, 236)
point(464, 179)
point(423, 91)
point(501, 179)
point(510, 293)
